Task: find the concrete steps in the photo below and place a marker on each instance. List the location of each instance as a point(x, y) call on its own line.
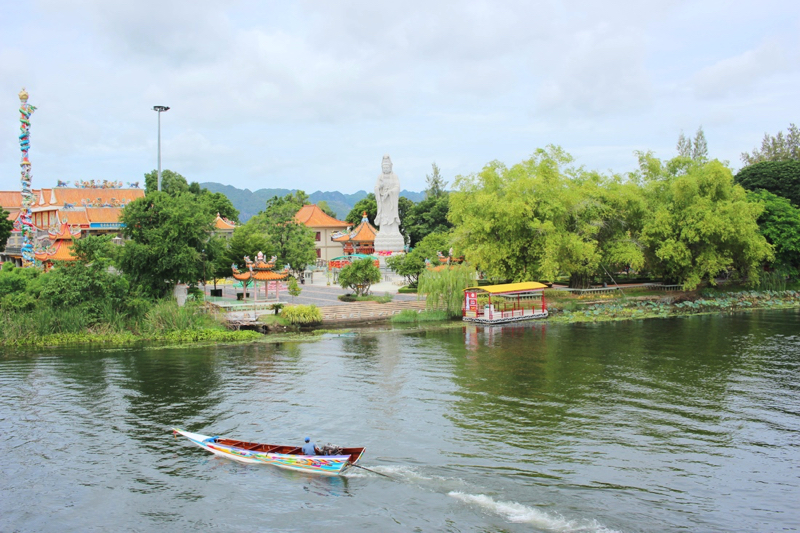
point(367, 311)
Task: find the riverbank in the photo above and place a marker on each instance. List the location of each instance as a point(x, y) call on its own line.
point(561, 311)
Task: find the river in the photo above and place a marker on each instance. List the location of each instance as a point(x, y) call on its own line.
point(684, 424)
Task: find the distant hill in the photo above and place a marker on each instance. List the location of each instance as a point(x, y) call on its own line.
point(249, 202)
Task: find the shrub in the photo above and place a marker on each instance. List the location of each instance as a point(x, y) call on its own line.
point(302, 315)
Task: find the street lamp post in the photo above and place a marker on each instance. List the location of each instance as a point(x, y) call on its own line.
point(159, 109)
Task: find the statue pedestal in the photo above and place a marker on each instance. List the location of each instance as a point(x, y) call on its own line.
point(390, 241)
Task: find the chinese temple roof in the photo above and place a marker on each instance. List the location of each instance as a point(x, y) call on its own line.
point(364, 232)
point(59, 251)
point(313, 217)
point(77, 197)
point(223, 223)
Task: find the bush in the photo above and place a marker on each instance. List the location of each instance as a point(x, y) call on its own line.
point(302, 315)
point(359, 276)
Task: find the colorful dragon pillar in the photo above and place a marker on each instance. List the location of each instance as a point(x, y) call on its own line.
point(25, 223)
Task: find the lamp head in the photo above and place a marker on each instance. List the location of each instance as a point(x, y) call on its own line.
point(160, 108)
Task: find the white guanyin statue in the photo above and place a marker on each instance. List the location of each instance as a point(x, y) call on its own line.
point(387, 195)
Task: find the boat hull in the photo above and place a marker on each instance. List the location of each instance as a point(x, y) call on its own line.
point(503, 319)
point(328, 465)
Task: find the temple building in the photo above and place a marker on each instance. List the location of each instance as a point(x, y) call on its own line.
point(224, 227)
point(62, 214)
point(324, 226)
point(359, 240)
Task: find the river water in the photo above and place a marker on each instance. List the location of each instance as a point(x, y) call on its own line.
point(688, 424)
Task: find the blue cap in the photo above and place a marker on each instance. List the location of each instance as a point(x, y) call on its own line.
point(307, 439)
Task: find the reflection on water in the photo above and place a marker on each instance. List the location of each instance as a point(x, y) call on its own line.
point(658, 425)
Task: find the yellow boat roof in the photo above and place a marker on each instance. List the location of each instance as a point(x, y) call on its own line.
point(510, 287)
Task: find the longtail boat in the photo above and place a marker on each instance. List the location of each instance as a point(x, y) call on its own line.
point(290, 457)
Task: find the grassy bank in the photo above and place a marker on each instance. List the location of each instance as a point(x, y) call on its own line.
point(692, 304)
point(163, 322)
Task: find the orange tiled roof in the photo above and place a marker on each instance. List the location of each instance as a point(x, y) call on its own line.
point(76, 196)
point(223, 223)
point(74, 217)
point(10, 199)
point(364, 232)
point(313, 217)
point(62, 252)
point(103, 214)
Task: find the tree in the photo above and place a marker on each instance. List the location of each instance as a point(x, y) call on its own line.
point(167, 237)
point(5, 228)
point(444, 289)
point(174, 184)
point(294, 288)
point(247, 240)
point(543, 218)
point(427, 217)
point(701, 224)
point(684, 146)
point(171, 182)
point(778, 177)
point(323, 205)
point(87, 282)
point(216, 202)
point(700, 147)
point(696, 151)
point(780, 224)
point(359, 276)
point(776, 148)
point(412, 264)
point(368, 204)
point(436, 183)
point(292, 242)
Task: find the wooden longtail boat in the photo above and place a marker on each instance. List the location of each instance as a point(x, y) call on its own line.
point(290, 457)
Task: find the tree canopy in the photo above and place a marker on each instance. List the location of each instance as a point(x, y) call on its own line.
point(700, 224)
point(5, 228)
point(167, 237)
point(780, 224)
point(359, 275)
point(778, 177)
point(292, 242)
point(174, 184)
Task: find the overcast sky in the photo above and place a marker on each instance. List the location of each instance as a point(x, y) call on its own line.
point(310, 94)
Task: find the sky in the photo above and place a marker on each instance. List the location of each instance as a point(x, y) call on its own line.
point(311, 94)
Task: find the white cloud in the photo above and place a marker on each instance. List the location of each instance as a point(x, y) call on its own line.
point(740, 72)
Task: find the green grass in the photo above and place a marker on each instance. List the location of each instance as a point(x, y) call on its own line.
point(409, 316)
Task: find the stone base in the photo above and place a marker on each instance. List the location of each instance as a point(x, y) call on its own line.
point(389, 242)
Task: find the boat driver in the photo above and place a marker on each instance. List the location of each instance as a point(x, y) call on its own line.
point(309, 448)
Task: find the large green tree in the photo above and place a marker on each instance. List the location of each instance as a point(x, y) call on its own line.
point(293, 243)
point(175, 184)
point(778, 177)
point(700, 224)
point(5, 228)
point(87, 283)
point(167, 237)
point(780, 224)
point(543, 218)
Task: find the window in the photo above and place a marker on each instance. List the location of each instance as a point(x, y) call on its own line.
point(319, 236)
point(319, 253)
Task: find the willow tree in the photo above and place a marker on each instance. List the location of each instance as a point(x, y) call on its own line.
point(543, 218)
point(444, 286)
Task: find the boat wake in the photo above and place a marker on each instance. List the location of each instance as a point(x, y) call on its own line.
point(519, 513)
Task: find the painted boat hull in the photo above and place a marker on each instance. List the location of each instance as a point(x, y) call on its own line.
point(328, 465)
point(504, 320)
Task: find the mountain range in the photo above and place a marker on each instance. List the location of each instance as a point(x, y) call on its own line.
point(249, 202)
